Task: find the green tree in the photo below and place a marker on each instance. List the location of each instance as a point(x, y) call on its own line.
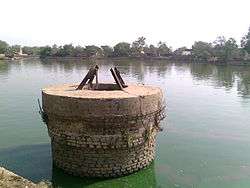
point(245, 42)
point(122, 49)
point(226, 49)
point(54, 50)
point(66, 50)
point(202, 50)
point(107, 51)
point(16, 48)
point(28, 50)
point(31, 50)
point(93, 50)
point(179, 51)
point(151, 50)
point(220, 41)
point(63, 51)
point(138, 46)
point(79, 52)
point(45, 51)
point(163, 49)
point(231, 49)
point(9, 52)
point(3, 47)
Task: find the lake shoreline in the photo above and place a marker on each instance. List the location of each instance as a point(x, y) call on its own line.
point(177, 59)
point(143, 58)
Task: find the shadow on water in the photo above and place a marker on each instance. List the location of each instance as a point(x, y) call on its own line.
point(30, 161)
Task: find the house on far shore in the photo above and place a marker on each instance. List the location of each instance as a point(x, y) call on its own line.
point(20, 53)
point(186, 52)
point(2, 56)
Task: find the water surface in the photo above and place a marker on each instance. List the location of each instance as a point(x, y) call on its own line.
point(206, 138)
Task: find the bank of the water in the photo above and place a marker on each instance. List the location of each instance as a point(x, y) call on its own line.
point(177, 59)
point(9, 179)
point(173, 58)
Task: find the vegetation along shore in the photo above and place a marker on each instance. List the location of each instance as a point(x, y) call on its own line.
point(222, 51)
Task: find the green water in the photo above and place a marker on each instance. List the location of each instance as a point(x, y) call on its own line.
point(206, 138)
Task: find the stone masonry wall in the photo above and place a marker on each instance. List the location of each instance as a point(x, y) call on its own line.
point(102, 144)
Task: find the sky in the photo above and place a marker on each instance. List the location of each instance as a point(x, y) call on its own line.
point(107, 22)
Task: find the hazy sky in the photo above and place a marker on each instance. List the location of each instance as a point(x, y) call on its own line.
point(176, 22)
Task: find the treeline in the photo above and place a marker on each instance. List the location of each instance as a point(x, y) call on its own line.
point(123, 49)
point(221, 50)
point(11, 51)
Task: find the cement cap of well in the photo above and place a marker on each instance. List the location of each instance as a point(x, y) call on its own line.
point(133, 90)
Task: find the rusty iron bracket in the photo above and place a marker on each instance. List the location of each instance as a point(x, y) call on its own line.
point(93, 72)
point(89, 77)
point(120, 78)
point(117, 77)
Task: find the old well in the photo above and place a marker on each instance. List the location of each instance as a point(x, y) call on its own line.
point(104, 131)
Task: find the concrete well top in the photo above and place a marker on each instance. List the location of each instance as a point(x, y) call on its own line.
point(104, 100)
point(104, 91)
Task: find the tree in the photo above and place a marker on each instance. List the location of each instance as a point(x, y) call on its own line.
point(54, 50)
point(12, 50)
point(122, 49)
point(79, 52)
point(138, 46)
point(245, 42)
point(9, 52)
point(179, 51)
point(163, 49)
point(3, 47)
point(220, 41)
point(93, 50)
point(231, 49)
point(31, 50)
point(202, 50)
point(45, 51)
point(66, 50)
point(151, 50)
point(16, 48)
point(226, 49)
point(107, 51)
point(28, 50)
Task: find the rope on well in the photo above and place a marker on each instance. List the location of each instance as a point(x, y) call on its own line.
point(43, 115)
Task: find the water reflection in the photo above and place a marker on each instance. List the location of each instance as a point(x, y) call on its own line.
point(243, 83)
point(138, 70)
point(224, 76)
point(202, 71)
point(4, 70)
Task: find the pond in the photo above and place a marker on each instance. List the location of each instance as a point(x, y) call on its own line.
point(206, 138)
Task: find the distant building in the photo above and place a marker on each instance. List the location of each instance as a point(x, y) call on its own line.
point(213, 59)
point(186, 52)
point(20, 53)
point(247, 56)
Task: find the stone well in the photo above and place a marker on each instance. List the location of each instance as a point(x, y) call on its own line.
point(105, 132)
